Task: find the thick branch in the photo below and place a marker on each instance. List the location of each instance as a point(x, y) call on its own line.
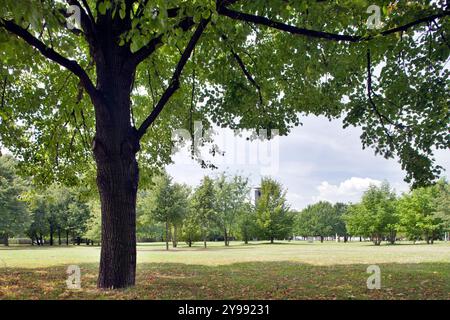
point(236, 15)
point(151, 47)
point(175, 81)
point(51, 54)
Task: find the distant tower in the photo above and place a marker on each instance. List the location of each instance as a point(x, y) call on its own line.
point(257, 191)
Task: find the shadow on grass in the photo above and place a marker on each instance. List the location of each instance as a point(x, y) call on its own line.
point(254, 280)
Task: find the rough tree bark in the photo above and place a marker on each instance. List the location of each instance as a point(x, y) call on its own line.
point(115, 146)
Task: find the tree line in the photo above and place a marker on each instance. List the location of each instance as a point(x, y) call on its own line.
point(381, 215)
point(220, 208)
point(58, 214)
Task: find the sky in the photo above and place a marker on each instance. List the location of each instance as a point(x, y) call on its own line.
point(318, 161)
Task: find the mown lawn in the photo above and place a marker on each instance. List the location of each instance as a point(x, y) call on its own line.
point(297, 270)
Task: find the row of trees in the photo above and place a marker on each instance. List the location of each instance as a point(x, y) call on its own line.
point(422, 214)
point(219, 208)
point(57, 212)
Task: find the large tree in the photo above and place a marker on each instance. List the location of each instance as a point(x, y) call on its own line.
point(255, 64)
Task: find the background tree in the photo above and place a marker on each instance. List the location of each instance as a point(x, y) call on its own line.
point(339, 227)
point(442, 203)
point(273, 217)
point(375, 216)
point(231, 193)
point(191, 230)
point(418, 214)
point(246, 222)
point(203, 203)
point(169, 205)
point(131, 54)
point(14, 216)
point(180, 204)
point(317, 220)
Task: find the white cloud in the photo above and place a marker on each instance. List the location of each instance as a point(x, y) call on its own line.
point(349, 190)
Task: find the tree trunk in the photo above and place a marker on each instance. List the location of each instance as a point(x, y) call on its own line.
point(226, 237)
point(167, 235)
point(5, 240)
point(174, 238)
point(271, 240)
point(51, 234)
point(321, 239)
point(59, 236)
point(115, 146)
point(67, 237)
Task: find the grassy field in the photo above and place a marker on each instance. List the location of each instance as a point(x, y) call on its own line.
point(297, 270)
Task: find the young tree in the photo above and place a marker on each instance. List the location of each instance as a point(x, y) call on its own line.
point(126, 55)
point(375, 216)
point(169, 203)
point(14, 216)
point(231, 195)
point(273, 217)
point(180, 202)
point(191, 231)
point(246, 222)
point(203, 203)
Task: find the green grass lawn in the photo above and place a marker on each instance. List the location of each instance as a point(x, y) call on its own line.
point(285, 270)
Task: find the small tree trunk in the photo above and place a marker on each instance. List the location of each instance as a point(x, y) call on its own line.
point(271, 240)
point(321, 239)
point(51, 234)
point(67, 237)
point(174, 238)
point(226, 237)
point(59, 236)
point(41, 239)
point(167, 235)
point(5, 240)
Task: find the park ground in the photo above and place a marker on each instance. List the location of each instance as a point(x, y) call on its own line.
point(296, 270)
